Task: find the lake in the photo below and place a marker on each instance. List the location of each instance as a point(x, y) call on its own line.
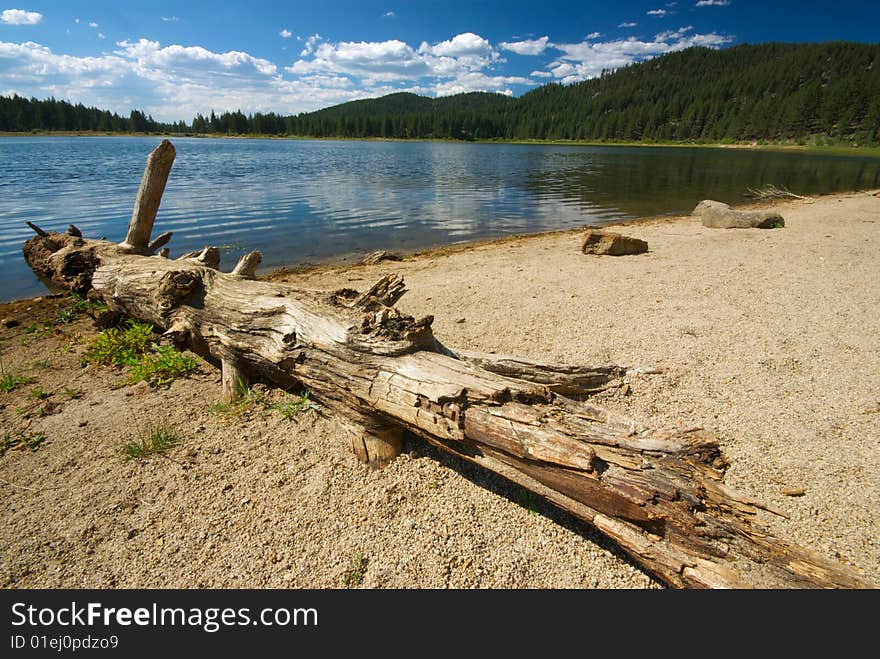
point(304, 201)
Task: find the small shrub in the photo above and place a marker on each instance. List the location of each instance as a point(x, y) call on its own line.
point(133, 347)
point(155, 439)
point(120, 347)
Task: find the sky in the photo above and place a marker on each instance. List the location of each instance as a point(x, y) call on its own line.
point(175, 59)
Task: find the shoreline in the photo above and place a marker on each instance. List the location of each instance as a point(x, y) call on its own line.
point(766, 338)
point(835, 150)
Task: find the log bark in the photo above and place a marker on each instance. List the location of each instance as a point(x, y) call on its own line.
point(659, 495)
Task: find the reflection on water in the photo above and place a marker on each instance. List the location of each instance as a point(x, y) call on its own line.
point(307, 201)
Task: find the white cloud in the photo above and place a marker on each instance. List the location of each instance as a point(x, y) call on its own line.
point(527, 47)
point(712, 3)
point(593, 35)
point(20, 17)
point(170, 19)
point(310, 44)
point(466, 44)
point(389, 14)
point(149, 55)
point(627, 24)
point(656, 12)
point(581, 61)
point(93, 24)
point(541, 74)
point(285, 34)
point(101, 35)
point(377, 62)
point(673, 34)
point(477, 81)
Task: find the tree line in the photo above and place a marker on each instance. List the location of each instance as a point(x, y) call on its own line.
point(770, 92)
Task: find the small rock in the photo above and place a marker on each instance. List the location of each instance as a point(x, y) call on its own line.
point(460, 320)
point(625, 390)
point(612, 244)
point(141, 388)
point(793, 491)
point(9, 322)
point(717, 215)
point(83, 423)
point(375, 257)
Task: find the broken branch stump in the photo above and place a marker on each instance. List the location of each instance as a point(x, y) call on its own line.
point(149, 196)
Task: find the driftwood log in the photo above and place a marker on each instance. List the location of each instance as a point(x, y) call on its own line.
point(659, 496)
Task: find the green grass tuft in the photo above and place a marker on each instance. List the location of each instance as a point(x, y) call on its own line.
point(9, 381)
point(155, 439)
point(355, 575)
point(290, 409)
point(30, 440)
point(164, 365)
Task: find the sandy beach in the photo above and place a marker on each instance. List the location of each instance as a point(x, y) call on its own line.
point(768, 338)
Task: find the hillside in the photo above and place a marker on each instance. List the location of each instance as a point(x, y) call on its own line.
point(773, 92)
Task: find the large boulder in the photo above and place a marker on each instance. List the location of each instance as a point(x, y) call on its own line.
point(717, 215)
point(612, 244)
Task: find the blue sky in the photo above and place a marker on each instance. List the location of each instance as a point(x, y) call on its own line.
point(173, 59)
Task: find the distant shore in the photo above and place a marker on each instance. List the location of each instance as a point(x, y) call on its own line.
point(870, 151)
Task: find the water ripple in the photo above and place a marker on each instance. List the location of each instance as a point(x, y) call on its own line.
point(300, 201)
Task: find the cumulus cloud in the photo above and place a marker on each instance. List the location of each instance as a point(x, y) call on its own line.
point(150, 55)
point(447, 67)
point(389, 14)
point(657, 12)
point(20, 17)
point(170, 19)
point(587, 59)
point(285, 34)
point(92, 24)
point(310, 44)
point(712, 3)
point(466, 44)
point(526, 47)
point(593, 35)
point(627, 24)
point(101, 35)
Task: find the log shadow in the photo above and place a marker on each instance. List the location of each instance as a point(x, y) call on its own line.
point(498, 485)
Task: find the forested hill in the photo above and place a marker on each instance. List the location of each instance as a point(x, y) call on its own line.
point(770, 92)
point(774, 92)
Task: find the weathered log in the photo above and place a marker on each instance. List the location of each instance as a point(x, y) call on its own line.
point(660, 496)
point(149, 195)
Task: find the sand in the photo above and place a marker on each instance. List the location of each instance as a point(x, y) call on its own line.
point(768, 338)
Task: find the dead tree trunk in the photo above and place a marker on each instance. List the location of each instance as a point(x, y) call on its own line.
point(659, 496)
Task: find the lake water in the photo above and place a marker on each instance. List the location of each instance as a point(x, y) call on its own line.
point(311, 201)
